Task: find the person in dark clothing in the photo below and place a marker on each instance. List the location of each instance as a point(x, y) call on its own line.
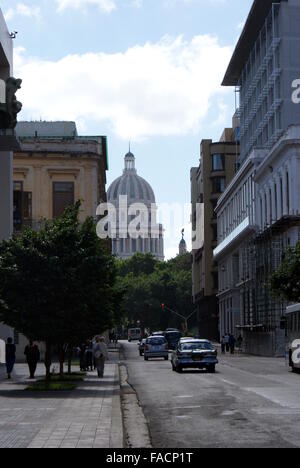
point(10, 353)
point(232, 342)
point(82, 356)
point(89, 356)
point(32, 354)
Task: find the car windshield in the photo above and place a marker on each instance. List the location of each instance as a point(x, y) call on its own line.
point(156, 341)
point(198, 346)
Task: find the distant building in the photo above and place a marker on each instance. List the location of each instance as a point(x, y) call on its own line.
point(138, 191)
point(182, 245)
point(54, 168)
point(259, 212)
point(208, 182)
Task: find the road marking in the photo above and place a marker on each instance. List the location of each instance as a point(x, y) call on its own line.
point(228, 382)
point(184, 396)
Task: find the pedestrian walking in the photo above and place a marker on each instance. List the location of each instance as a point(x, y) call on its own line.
point(239, 343)
point(223, 345)
point(82, 356)
point(10, 357)
point(89, 355)
point(232, 342)
point(227, 346)
point(101, 355)
point(33, 356)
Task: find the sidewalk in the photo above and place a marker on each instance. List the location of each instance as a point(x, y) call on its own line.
point(88, 417)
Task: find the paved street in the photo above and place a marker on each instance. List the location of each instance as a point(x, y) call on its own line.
point(249, 402)
point(89, 417)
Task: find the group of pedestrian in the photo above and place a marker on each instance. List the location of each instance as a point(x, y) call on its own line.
point(229, 343)
point(93, 355)
point(31, 352)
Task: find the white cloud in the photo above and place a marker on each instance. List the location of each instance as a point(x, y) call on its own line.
point(107, 6)
point(159, 89)
point(29, 11)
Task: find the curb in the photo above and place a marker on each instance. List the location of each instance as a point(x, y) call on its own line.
point(136, 430)
point(117, 429)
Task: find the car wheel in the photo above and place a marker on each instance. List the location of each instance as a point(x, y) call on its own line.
point(146, 359)
point(211, 369)
point(166, 358)
point(179, 370)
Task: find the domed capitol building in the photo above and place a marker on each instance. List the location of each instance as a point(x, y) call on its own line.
point(138, 191)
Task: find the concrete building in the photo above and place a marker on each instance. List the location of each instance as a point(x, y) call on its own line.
point(140, 202)
point(208, 182)
point(54, 168)
point(7, 144)
point(258, 214)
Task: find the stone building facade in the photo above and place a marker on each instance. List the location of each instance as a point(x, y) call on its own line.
point(208, 182)
point(133, 198)
point(259, 213)
point(55, 168)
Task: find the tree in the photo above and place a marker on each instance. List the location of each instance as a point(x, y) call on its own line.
point(285, 282)
point(56, 285)
point(147, 283)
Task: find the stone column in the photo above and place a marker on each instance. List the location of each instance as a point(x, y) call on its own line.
point(6, 199)
point(279, 208)
point(284, 193)
point(273, 202)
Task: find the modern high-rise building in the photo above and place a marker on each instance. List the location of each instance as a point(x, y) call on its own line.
point(208, 182)
point(259, 212)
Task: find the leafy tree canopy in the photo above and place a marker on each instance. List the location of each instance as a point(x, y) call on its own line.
point(147, 283)
point(56, 285)
point(285, 282)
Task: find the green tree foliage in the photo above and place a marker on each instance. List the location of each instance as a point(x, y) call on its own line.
point(147, 283)
point(285, 282)
point(56, 285)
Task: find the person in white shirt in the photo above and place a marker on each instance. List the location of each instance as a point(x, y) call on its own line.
point(100, 355)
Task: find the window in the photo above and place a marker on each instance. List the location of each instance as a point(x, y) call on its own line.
point(218, 162)
point(63, 196)
point(219, 184)
point(22, 207)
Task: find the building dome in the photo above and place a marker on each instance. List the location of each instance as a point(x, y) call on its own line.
point(135, 187)
point(148, 235)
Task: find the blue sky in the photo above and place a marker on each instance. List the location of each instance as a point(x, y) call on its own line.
point(148, 71)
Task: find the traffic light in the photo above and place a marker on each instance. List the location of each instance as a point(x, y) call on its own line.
point(163, 306)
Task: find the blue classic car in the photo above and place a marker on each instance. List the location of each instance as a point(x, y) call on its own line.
point(194, 354)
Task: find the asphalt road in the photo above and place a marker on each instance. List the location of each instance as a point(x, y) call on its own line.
point(249, 402)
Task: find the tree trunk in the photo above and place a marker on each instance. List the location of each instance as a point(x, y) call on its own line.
point(48, 361)
point(70, 356)
point(61, 361)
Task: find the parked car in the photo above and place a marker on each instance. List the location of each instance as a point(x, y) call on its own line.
point(156, 347)
point(194, 354)
point(134, 334)
point(172, 338)
point(141, 346)
point(158, 333)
